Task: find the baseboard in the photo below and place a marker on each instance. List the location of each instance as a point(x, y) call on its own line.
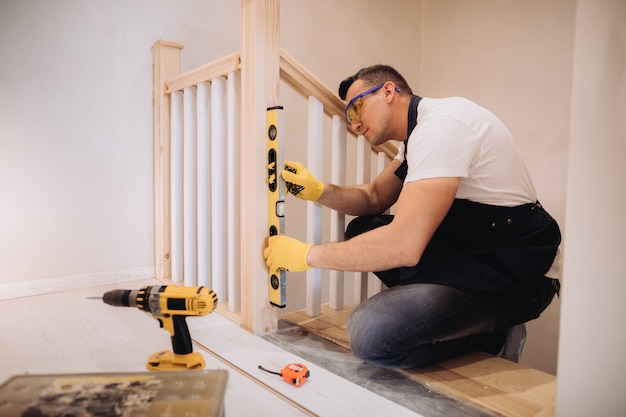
point(58, 284)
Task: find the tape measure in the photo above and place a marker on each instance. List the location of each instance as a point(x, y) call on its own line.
point(293, 373)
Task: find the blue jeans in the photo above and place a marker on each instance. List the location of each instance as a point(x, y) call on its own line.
point(415, 325)
point(481, 273)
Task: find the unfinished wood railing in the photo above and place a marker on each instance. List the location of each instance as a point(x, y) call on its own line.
point(198, 141)
point(206, 228)
point(196, 136)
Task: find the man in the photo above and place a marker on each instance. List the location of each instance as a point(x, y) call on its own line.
point(465, 253)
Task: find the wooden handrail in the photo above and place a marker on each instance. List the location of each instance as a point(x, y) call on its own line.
point(306, 84)
point(292, 73)
point(218, 68)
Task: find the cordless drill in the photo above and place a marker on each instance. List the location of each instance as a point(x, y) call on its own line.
point(170, 305)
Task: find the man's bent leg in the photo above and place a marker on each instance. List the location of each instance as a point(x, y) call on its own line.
point(416, 325)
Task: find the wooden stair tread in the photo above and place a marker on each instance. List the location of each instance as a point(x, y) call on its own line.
point(497, 385)
point(330, 325)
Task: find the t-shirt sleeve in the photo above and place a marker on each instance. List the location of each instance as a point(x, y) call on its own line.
point(441, 147)
point(400, 155)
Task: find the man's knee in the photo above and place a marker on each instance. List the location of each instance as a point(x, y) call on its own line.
point(371, 342)
point(374, 352)
point(363, 341)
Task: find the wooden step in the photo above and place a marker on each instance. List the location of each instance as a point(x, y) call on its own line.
point(494, 384)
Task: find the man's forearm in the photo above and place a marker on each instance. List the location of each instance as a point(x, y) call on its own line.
point(354, 200)
point(364, 199)
point(419, 211)
point(376, 250)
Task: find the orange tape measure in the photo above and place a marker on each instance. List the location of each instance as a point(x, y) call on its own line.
point(293, 373)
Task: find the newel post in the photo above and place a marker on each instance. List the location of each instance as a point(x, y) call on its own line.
point(260, 61)
point(166, 64)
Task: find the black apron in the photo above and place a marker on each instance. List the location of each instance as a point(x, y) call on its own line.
point(479, 247)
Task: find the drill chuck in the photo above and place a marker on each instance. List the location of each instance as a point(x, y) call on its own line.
point(121, 298)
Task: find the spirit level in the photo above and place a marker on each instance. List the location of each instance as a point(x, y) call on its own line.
point(275, 197)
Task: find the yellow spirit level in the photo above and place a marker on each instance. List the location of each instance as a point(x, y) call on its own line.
point(275, 198)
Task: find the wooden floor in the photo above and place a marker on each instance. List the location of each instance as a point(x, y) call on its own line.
point(494, 384)
point(65, 333)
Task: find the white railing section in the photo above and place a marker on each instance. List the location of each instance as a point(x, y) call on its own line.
point(204, 186)
point(202, 244)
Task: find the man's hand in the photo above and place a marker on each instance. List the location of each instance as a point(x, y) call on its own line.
point(286, 253)
point(300, 182)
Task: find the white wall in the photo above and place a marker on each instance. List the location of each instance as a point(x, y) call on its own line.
point(76, 118)
point(76, 127)
point(514, 58)
point(76, 113)
point(592, 352)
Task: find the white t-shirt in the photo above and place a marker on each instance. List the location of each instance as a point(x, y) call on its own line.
point(455, 137)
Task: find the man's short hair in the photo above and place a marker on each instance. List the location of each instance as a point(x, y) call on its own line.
point(375, 75)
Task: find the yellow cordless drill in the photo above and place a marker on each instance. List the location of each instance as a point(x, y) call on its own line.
point(170, 305)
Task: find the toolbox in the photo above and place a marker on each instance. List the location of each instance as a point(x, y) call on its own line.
point(198, 393)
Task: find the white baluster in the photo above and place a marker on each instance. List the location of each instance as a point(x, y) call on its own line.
point(381, 160)
point(337, 220)
point(363, 164)
point(190, 258)
point(176, 178)
point(314, 210)
point(204, 184)
point(233, 91)
point(218, 186)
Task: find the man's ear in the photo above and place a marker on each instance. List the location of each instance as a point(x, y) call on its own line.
point(390, 90)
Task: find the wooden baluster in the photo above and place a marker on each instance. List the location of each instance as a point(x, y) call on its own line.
point(166, 64)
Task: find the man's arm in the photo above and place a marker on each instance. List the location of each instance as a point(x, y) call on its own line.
point(420, 208)
point(359, 200)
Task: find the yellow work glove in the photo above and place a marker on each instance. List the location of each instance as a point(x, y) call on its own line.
point(286, 253)
point(300, 182)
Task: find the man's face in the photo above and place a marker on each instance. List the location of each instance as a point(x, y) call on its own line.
point(365, 111)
